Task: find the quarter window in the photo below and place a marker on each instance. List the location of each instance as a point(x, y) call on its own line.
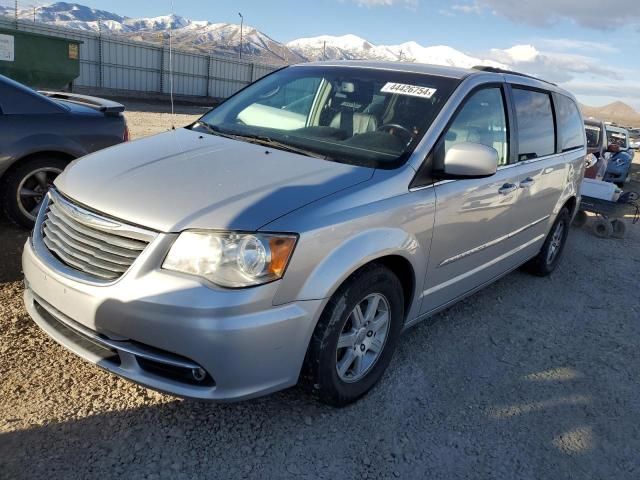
point(570, 123)
point(481, 120)
point(536, 130)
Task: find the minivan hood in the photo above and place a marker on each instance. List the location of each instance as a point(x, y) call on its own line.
point(184, 179)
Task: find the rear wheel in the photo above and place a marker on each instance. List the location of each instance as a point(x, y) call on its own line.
point(550, 254)
point(356, 336)
point(602, 228)
point(25, 186)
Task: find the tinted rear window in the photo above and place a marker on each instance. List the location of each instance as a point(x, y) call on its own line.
point(570, 126)
point(594, 134)
point(619, 138)
point(536, 131)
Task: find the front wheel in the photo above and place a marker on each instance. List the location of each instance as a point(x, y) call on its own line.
point(25, 186)
point(549, 256)
point(356, 336)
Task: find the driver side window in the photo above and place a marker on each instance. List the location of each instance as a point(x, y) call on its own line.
point(481, 120)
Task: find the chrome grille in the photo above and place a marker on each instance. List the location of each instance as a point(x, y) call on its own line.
point(98, 246)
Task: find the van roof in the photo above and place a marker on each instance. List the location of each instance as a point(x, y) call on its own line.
point(442, 71)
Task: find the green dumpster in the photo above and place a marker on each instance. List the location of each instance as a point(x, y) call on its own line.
point(39, 61)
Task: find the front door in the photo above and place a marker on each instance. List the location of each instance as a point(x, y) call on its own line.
point(472, 240)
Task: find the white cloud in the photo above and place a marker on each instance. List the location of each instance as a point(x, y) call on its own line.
point(605, 89)
point(588, 13)
point(590, 79)
point(553, 66)
point(565, 44)
point(467, 8)
point(386, 3)
point(600, 93)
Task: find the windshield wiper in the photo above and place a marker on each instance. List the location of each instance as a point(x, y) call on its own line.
point(270, 142)
point(213, 130)
point(260, 140)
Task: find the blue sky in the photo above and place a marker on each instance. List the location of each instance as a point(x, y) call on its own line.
point(586, 45)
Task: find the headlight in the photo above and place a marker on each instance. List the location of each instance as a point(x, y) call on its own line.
point(231, 259)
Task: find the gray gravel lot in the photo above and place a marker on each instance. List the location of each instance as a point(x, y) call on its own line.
point(529, 379)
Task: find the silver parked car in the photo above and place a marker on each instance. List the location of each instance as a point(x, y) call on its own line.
point(292, 233)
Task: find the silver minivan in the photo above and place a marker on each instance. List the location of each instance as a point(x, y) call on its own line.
point(295, 231)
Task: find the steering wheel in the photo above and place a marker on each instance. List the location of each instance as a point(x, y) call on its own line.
point(396, 126)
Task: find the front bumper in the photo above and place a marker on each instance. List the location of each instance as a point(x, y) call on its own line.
point(154, 327)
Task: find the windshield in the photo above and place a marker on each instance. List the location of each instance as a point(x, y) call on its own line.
point(351, 115)
point(619, 138)
point(593, 135)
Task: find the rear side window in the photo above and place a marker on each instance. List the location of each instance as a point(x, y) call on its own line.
point(536, 129)
point(569, 124)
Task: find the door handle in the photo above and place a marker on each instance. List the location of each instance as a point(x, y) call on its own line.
point(507, 188)
point(527, 182)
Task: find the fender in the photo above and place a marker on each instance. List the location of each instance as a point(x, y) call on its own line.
point(574, 175)
point(40, 143)
point(353, 253)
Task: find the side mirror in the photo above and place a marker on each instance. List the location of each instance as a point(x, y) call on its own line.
point(470, 160)
point(590, 160)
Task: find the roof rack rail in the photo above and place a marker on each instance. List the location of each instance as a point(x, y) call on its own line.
point(485, 68)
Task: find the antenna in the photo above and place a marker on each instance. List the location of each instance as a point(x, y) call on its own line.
point(173, 123)
point(241, 28)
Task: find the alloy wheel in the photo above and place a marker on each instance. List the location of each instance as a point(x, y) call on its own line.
point(363, 338)
point(556, 243)
point(32, 189)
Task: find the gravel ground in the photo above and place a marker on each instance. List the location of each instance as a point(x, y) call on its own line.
point(530, 379)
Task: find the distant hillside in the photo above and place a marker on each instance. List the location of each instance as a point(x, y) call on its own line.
point(617, 112)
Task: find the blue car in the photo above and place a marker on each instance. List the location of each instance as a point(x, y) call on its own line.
point(619, 166)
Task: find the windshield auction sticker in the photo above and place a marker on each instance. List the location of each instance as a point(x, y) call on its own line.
point(411, 90)
point(6, 48)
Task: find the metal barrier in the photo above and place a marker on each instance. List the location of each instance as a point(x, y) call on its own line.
point(113, 62)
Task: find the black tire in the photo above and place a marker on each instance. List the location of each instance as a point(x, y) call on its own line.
point(602, 228)
point(15, 177)
point(320, 374)
point(542, 265)
point(581, 218)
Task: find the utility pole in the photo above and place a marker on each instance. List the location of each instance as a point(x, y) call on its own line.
point(16, 13)
point(241, 25)
point(400, 59)
point(324, 50)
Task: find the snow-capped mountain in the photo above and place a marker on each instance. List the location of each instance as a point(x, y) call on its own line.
point(225, 38)
point(327, 47)
point(352, 47)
